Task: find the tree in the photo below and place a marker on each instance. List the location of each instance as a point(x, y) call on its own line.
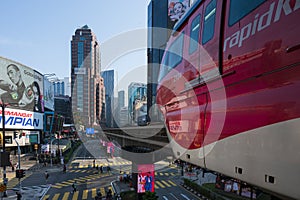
point(150, 196)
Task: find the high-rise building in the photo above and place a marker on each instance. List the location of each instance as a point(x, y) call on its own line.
point(120, 103)
point(59, 88)
point(136, 92)
point(161, 19)
point(158, 35)
point(67, 88)
point(108, 78)
point(85, 77)
point(62, 105)
point(121, 98)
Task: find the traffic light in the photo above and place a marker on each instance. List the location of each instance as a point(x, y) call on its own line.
point(15, 134)
point(18, 135)
point(20, 173)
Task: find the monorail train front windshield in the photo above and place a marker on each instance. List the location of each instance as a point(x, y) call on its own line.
point(172, 56)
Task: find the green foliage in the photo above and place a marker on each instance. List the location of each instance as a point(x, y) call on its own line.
point(68, 155)
point(150, 196)
point(128, 195)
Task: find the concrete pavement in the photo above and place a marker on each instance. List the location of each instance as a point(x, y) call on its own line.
point(30, 166)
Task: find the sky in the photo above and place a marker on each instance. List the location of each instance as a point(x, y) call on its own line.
point(38, 33)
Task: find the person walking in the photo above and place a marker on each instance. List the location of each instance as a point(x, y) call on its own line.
point(46, 176)
point(65, 168)
point(99, 196)
point(74, 186)
point(109, 195)
point(19, 195)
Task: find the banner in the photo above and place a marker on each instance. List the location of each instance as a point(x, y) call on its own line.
point(21, 119)
point(145, 178)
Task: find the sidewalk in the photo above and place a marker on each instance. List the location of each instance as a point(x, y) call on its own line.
point(33, 192)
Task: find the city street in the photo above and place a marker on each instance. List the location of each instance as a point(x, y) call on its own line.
point(89, 179)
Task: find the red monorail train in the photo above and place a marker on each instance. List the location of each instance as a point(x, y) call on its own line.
point(229, 89)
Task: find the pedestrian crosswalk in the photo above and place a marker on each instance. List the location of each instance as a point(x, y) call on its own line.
point(161, 184)
point(156, 173)
point(92, 192)
point(104, 164)
point(84, 194)
point(79, 180)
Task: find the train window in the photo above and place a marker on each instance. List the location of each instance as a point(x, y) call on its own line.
point(173, 56)
point(239, 9)
point(194, 34)
point(209, 21)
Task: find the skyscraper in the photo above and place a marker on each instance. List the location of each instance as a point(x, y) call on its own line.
point(136, 92)
point(108, 78)
point(85, 77)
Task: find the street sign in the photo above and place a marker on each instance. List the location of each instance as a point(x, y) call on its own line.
point(90, 130)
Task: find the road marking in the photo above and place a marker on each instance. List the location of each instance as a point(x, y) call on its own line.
point(75, 195)
point(167, 184)
point(66, 196)
point(58, 187)
point(46, 197)
point(185, 197)
point(161, 185)
point(102, 191)
point(173, 196)
point(93, 192)
point(172, 183)
point(165, 198)
point(112, 191)
point(85, 194)
point(55, 197)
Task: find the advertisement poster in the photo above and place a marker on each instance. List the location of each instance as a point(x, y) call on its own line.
point(176, 8)
point(145, 178)
point(48, 94)
point(21, 87)
point(21, 119)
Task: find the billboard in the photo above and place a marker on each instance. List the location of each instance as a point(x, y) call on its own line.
point(145, 178)
point(78, 70)
point(21, 87)
point(90, 131)
point(176, 9)
point(48, 94)
point(21, 119)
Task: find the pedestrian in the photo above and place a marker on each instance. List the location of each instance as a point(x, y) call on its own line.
point(109, 195)
point(97, 168)
point(65, 168)
point(12, 166)
point(94, 163)
point(108, 169)
point(46, 176)
point(74, 187)
point(101, 169)
point(45, 163)
point(19, 195)
point(99, 196)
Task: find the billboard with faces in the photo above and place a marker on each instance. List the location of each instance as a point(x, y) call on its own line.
point(177, 8)
point(21, 88)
